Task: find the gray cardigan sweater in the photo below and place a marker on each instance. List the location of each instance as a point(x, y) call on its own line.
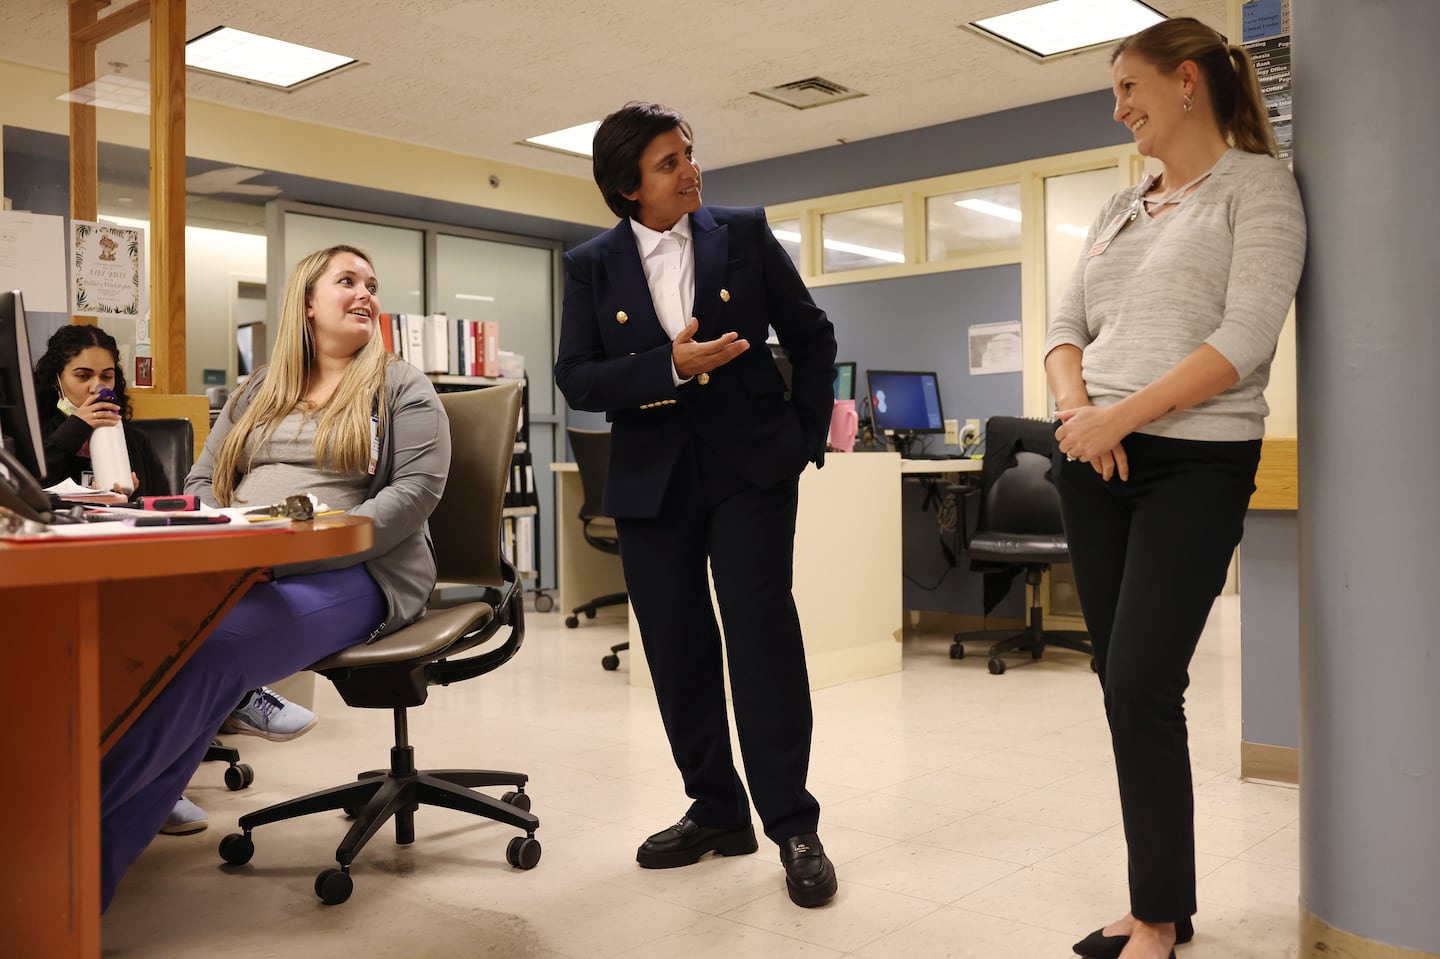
point(1221, 269)
point(409, 478)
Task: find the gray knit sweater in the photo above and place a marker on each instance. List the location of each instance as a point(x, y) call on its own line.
point(1221, 269)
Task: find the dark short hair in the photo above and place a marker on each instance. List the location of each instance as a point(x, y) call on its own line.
point(619, 143)
point(66, 344)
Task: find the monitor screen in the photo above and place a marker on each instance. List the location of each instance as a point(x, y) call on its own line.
point(19, 418)
point(844, 381)
point(905, 402)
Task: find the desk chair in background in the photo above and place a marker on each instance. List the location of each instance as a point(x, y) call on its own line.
point(592, 455)
point(396, 671)
point(1018, 529)
point(173, 441)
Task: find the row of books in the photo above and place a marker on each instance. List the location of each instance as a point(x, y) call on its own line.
point(518, 542)
point(521, 489)
point(437, 343)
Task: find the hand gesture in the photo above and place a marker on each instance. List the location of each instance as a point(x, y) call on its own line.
point(1091, 434)
point(692, 358)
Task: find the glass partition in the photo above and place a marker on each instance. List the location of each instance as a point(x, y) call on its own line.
point(867, 237)
point(972, 221)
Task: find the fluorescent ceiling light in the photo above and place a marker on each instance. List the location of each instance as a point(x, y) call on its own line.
point(839, 246)
point(1065, 26)
point(577, 140)
point(264, 60)
point(990, 209)
point(475, 296)
point(113, 92)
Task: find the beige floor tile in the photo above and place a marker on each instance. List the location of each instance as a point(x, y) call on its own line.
point(856, 916)
point(956, 933)
point(926, 872)
point(1021, 843)
point(1053, 807)
point(1253, 885)
point(1281, 849)
point(888, 814)
point(958, 789)
point(1059, 903)
point(712, 938)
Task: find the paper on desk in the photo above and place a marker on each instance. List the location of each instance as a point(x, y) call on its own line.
point(69, 489)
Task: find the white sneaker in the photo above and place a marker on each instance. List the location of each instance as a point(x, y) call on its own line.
point(268, 714)
point(184, 819)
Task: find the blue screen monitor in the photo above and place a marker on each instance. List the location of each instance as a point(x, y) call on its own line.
point(844, 381)
point(905, 402)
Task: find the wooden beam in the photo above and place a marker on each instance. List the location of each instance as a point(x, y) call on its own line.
point(117, 23)
point(167, 194)
point(83, 152)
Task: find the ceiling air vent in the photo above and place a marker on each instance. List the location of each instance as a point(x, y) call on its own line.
point(807, 93)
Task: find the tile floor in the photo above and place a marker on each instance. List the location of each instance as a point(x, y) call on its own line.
point(969, 815)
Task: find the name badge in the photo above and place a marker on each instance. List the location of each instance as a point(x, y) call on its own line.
point(374, 444)
point(1112, 229)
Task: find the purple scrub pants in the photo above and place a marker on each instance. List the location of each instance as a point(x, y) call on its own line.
point(276, 629)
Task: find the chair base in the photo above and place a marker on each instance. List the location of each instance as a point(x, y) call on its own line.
point(1033, 639)
point(612, 661)
point(379, 795)
point(238, 775)
point(599, 602)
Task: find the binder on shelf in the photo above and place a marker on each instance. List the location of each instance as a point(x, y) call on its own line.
point(387, 332)
point(490, 338)
point(435, 343)
point(415, 339)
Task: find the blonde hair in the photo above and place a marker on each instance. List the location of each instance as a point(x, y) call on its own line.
point(342, 437)
point(1229, 76)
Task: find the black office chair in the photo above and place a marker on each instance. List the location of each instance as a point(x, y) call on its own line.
point(1018, 529)
point(173, 441)
point(396, 671)
point(592, 455)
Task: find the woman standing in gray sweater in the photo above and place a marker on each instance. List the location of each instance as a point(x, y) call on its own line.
point(1158, 361)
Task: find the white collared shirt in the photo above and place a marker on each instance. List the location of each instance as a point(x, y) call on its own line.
point(669, 262)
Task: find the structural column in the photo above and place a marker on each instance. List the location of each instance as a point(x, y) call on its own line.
point(1367, 139)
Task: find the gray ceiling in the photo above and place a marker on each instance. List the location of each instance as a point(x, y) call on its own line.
point(475, 77)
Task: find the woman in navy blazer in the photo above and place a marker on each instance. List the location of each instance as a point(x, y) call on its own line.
point(705, 459)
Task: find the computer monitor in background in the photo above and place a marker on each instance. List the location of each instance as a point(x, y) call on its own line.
point(845, 381)
point(905, 403)
point(19, 417)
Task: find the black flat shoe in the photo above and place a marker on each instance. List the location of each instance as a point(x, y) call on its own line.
point(685, 842)
point(809, 873)
point(1097, 945)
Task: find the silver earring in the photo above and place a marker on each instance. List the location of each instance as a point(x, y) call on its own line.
point(1189, 103)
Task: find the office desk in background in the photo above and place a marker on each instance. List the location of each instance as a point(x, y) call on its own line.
point(848, 580)
point(92, 630)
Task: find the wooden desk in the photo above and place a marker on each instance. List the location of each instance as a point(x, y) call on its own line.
point(91, 632)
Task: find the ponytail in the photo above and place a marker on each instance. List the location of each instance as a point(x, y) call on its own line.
point(1249, 127)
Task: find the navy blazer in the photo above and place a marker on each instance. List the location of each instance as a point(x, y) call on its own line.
point(614, 357)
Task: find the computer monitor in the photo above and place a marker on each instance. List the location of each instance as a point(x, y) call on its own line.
point(905, 402)
point(24, 457)
point(844, 381)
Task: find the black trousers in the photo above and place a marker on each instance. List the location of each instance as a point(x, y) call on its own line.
point(747, 535)
point(1149, 557)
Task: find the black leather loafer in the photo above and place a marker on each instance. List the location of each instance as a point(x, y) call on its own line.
point(685, 842)
point(1097, 945)
point(809, 874)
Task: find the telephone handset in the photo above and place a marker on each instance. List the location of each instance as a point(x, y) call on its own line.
point(20, 493)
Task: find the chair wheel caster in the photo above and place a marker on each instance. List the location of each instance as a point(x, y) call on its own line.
point(957, 651)
point(236, 849)
point(572, 621)
point(544, 602)
point(523, 852)
point(997, 666)
point(610, 662)
point(517, 799)
point(238, 776)
point(333, 886)
point(589, 614)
